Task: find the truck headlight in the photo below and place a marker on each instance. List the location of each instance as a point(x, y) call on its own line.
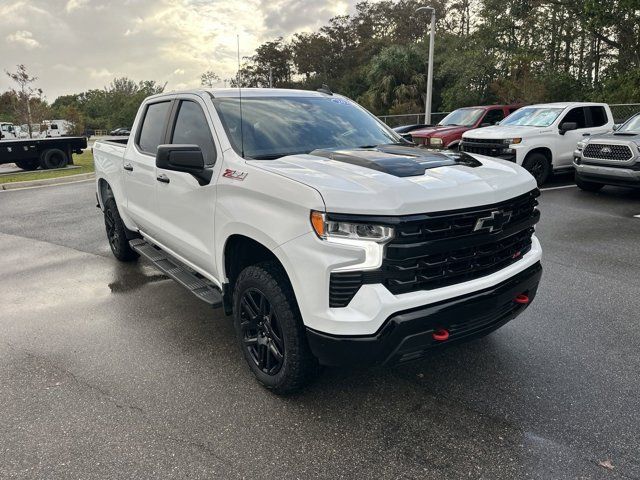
point(436, 142)
point(512, 141)
point(332, 229)
point(369, 237)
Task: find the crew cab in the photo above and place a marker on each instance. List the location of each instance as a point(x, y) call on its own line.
point(610, 159)
point(448, 132)
point(327, 237)
point(541, 138)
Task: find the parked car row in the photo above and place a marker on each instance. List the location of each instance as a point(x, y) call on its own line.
point(542, 138)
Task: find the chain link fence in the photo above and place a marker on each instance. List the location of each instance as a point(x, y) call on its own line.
point(621, 112)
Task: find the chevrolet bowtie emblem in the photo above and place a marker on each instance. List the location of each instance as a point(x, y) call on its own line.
point(493, 222)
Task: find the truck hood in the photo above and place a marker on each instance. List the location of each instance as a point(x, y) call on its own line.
point(506, 131)
point(402, 180)
point(439, 131)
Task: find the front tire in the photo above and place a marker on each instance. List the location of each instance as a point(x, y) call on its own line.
point(117, 232)
point(270, 331)
point(586, 185)
point(539, 166)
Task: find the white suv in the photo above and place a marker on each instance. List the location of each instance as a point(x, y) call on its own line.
point(541, 138)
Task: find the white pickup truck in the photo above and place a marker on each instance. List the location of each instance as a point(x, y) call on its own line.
point(329, 238)
point(541, 138)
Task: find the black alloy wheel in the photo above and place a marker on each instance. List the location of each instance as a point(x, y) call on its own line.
point(261, 332)
point(112, 232)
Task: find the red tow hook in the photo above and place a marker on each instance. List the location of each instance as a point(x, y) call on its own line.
point(522, 299)
point(440, 335)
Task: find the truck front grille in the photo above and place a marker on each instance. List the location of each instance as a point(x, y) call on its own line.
point(607, 152)
point(483, 146)
point(440, 249)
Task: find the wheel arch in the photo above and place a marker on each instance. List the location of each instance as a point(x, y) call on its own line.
point(239, 252)
point(546, 151)
point(103, 190)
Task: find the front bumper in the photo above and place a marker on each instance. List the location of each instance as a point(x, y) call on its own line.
point(626, 177)
point(408, 335)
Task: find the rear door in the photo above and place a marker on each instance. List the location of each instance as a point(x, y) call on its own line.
point(139, 164)
point(186, 207)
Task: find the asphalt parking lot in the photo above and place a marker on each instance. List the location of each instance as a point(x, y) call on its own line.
point(113, 371)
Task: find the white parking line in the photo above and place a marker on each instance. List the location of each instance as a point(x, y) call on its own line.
point(557, 188)
point(636, 216)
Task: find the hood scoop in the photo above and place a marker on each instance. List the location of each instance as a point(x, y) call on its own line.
point(398, 160)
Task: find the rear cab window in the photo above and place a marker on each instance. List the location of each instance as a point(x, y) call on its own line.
point(152, 128)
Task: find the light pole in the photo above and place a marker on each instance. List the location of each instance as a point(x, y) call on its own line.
point(427, 103)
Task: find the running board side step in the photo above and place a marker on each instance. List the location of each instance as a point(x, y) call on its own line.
point(192, 281)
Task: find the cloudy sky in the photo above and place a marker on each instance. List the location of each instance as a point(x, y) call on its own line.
point(75, 45)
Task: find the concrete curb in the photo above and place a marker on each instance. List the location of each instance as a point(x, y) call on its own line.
point(47, 181)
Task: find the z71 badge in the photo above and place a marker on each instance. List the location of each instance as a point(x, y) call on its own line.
point(234, 174)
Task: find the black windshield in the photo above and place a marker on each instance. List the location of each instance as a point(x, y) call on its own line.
point(276, 126)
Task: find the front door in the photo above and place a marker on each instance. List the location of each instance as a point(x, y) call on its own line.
point(187, 208)
point(567, 142)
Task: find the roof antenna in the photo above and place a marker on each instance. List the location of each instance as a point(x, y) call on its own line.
point(240, 100)
point(325, 89)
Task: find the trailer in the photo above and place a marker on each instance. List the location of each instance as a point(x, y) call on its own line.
point(46, 153)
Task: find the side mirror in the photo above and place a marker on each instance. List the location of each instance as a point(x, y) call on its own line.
point(184, 158)
point(567, 126)
point(616, 126)
point(407, 137)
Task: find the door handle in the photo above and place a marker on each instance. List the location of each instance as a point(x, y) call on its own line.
point(586, 134)
point(163, 178)
point(128, 167)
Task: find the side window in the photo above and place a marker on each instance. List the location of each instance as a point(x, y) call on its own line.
point(192, 128)
point(576, 115)
point(152, 129)
point(598, 116)
point(493, 116)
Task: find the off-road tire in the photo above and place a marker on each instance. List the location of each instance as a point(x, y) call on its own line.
point(31, 164)
point(539, 166)
point(298, 366)
point(117, 232)
point(588, 186)
point(53, 158)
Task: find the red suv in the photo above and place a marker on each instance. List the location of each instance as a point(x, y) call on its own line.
point(448, 132)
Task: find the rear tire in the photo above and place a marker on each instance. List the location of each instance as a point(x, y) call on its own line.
point(588, 186)
point(539, 166)
point(270, 331)
point(53, 158)
point(117, 232)
point(31, 164)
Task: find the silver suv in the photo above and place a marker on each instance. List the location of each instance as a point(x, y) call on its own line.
point(610, 159)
